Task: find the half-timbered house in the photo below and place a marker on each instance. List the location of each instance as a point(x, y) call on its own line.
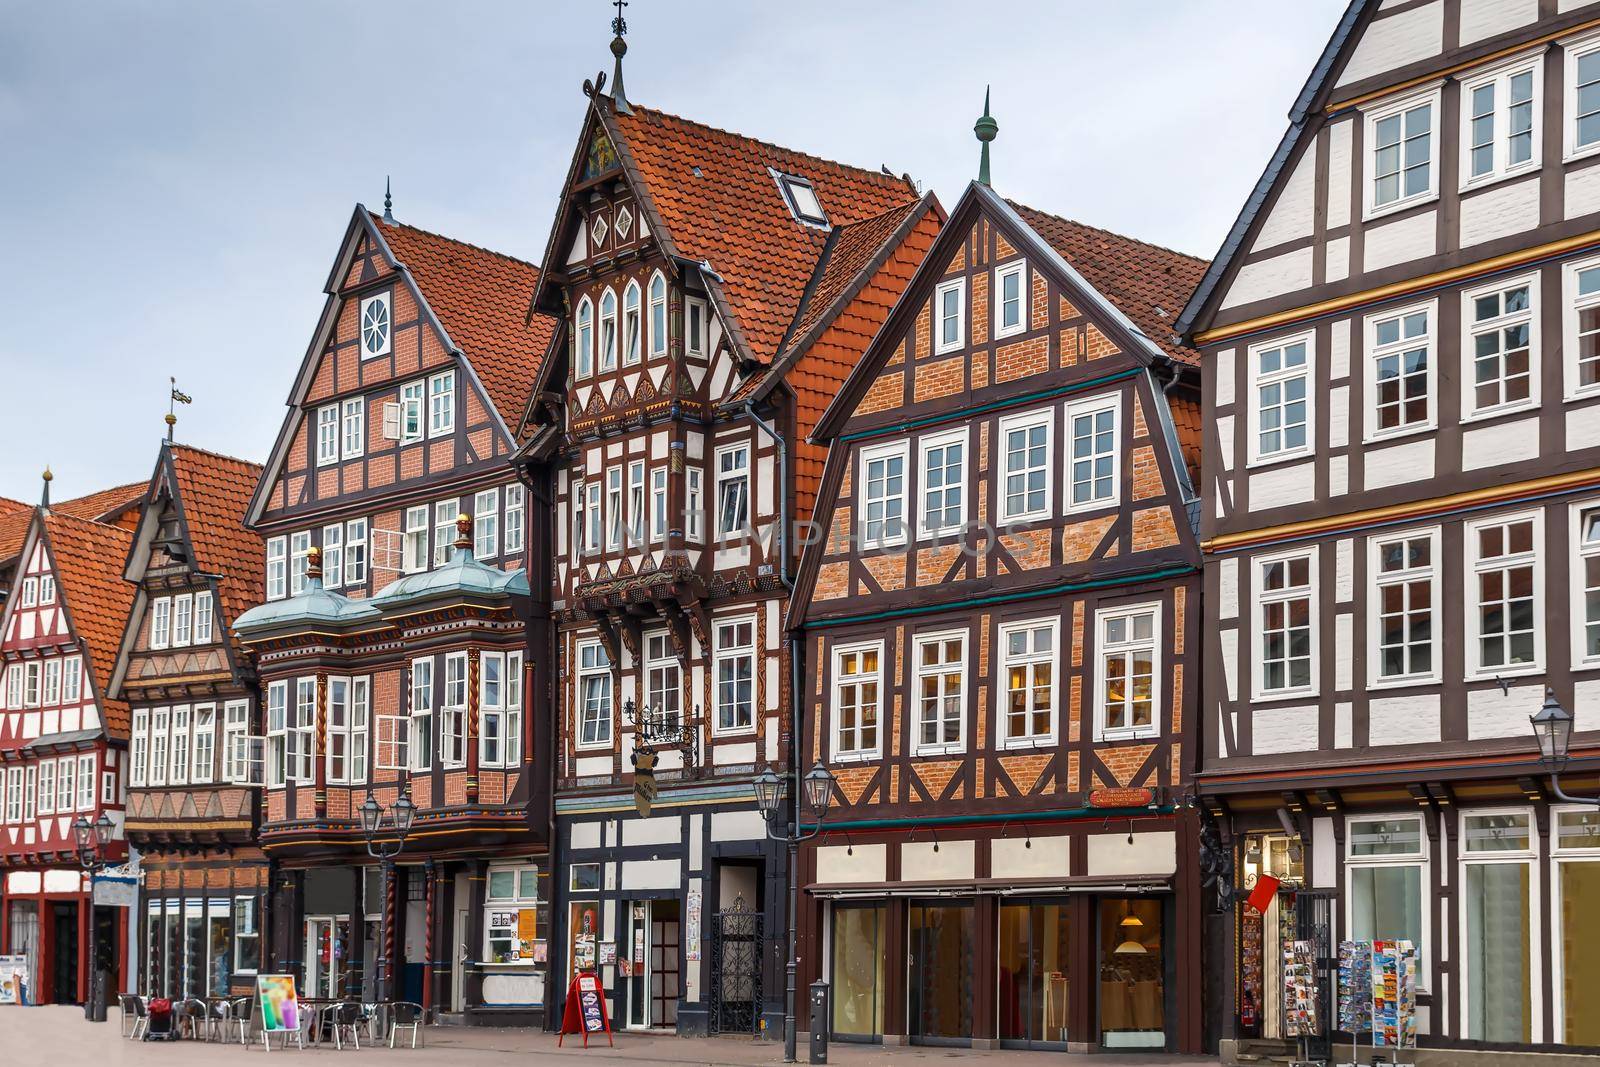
point(1402, 522)
point(392, 648)
point(191, 691)
point(63, 740)
point(999, 615)
point(714, 290)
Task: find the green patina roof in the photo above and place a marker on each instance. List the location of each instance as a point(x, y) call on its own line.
point(461, 576)
point(312, 605)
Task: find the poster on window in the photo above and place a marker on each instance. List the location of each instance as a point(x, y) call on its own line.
point(585, 927)
point(1394, 994)
point(608, 953)
point(13, 979)
point(1355, 986)
point(1300, 1016)
point(691, 925)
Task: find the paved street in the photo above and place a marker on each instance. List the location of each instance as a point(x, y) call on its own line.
point(72, 1041)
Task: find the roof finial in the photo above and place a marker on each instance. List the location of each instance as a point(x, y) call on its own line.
point(619, 48)
point(176, 397)
point(314, 565)
point(44, 500)
point(388, 201)
point(464, 531)
point(986, 128)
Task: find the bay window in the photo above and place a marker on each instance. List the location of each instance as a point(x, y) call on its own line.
point(420, 728)
point(348, 724)
point(500, 705)
point(303, 731)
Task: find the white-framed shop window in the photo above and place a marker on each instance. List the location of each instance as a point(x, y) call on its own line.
point(1389, 889)
point(511, 890)
point(1499, 910)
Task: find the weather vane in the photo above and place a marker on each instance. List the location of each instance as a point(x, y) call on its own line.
point(176, 397)
point(619, 25)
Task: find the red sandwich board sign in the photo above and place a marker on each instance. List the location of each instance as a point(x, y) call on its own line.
point(585, 1012)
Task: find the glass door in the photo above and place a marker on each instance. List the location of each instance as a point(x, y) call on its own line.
point(1031, 986)
point(940, 980)
point(633, 967)
point(1498, 858)
point(664, 966)
point(856, 974)
point(324, 954)
point(1132, 974)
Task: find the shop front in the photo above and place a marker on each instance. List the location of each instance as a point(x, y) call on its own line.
point(1058, 938)
point(45, 915)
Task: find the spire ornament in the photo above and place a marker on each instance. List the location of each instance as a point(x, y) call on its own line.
point(388, 201)
point(986, 128)
point(619, 48)
point(44, 499)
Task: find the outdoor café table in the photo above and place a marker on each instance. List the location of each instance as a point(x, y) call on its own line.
point(314, 1008)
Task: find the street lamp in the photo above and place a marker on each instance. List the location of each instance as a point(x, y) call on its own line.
point(93, 839)
point(1552, 727)
point(373, 819)
point(770, 794)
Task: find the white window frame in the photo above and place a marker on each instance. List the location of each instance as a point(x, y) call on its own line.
point(161, 622)
point(696, 326)
point(453, 713)
point(921, 671)
point(356, 730)
point(414, 539)
point(694, 504)
point(413, 417)
point(1105, 648)
point(884, 454)
point(1578, 587)
point(387, 306)
point(1473, 564)
point(47, 589)
point(1529, 857)
point(178, 750)
point(160, 733)
point(839, 751)
point(30, 592)
point(1575, 50)
point(507, 906)
point(182, 620)
point(503, 709)
point(299, 561)
point(925, 445)
point(441, 404)
point(203, 747)
point(67, 784)
point(1422, 858)
point(31, 678)
point(593, 532)
point(419, 727)
point(1092, 406)
point(302, 730)
point(602, 670)
point(583, 339)
point(959, 287)
point(327, 435)
point(14, 794)
point(1560, 857)
point(139, 748)
point(1025, 421)
point(234, 726)
point(353, 427)
point(52, 682)
point(1377, 581)
point(1258, 380)
point(632, 331)
point(1371, 209)
point(741, 473)
point(486, 524)
point(658, 503)
point(659, 324)
point(1260, 599)
point(1471, 329)
point(722, 651)
point(47, 787)
point(607, 355)
point(355, 553)
point(1374, 352)
point(1002, 727)
point(1500, 78)
point(1018, 270)
point(277, 568)
point(514, 540)
point(663, 675)
point(444, 529)
point(1571, 307)
point(30, 792)
point(614, 522)
point(204, 618)
point(276, 722)
point(636, 504)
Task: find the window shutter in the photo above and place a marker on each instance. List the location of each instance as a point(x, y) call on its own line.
point(391, 421)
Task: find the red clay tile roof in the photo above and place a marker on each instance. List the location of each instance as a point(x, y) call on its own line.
point(481, 297)
point(11, 507)
point(733, 215)
point(215, 492)
point(89, 558)
point(117, 506)
point(1186, 419)
point(1148, 283)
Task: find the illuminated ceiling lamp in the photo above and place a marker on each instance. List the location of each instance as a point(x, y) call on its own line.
point(1130, 923)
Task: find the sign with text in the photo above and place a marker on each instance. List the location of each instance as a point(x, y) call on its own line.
point(585, 1011)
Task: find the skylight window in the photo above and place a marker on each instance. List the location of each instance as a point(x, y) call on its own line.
point(802, 200)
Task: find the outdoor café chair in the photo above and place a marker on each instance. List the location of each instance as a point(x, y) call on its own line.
point(194, 1014)
point(405, 1015)
point(346, 1020)
point(134, 1019)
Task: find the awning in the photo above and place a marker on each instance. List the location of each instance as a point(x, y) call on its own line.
point(994, 887)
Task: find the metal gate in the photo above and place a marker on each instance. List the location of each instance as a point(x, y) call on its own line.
point(1313, 914)
point(736, 972)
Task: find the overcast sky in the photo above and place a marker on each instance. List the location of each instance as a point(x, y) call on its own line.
point(175, 176)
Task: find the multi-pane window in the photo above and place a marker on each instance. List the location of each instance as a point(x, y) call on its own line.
point(205, 742)
point(161, 622)
point(299, 560)
point(441, 403)
point(592, 516)
point(411, 398)
point(376, 327)
point(333, 556)
point(30, 793)
point(1126, 704)
point(636, 503)
point(1587, 583)
point(694, 506)
point(1404, 606)
point(608, 331)
point(658, 314)
point(353, 424)
point(950, 315)
point(14, 794)
point(277, 734)
point(414, 540)
point(1282, 408)
point(734, 665)
point(420, 757)
point(500, 699)
point(516, 518)
point(663, 678)
point(47, 589)
point(614, 508)
point(246, 936)
point(486, 524)
point(1400, 371)
point(160, 725)
point(139, 747)
point(883, 495)
point(1025, 489)
point(66, 788)
point(1583, 97)
point(943, 507)
point(52, 682)
point(235, 735)
point(1500, 124)
point(327, 435)
point(695, 326)
point(47, 787)
point(444, 529)
point(733, 490)
point(1401, 161)
point(1010, 284)
point(30, 684)
point(632, 324)
point(658, 503)
point(349, 713)
point(203, 618)
point(1583, 323)
point(857, 695)
point(1386, 868)
point(1092, 465)
point(277, 570)
point(941, 672)
point(355, 554)
point(182, 620)
point(1501, 328)
point(583, 340)
point(594, 696)
point(303, 730)
point(30, 592)
point(1503, 615)
point(1028, 660)
point(180, 745)
point(1285, 609)
point(453, 713)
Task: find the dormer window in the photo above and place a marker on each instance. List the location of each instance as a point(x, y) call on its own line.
point(624, 223)
point(597, 230)
point(375, 326)
point(802, 200)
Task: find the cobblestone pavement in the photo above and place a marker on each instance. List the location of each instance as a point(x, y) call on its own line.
point(59, 1037)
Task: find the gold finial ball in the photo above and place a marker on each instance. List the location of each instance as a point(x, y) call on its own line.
point(171, 419)
point(48, 476)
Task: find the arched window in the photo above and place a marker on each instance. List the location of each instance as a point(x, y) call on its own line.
point(583, 340)
point(608, 331)
point(658, 314)
point(632, 324)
